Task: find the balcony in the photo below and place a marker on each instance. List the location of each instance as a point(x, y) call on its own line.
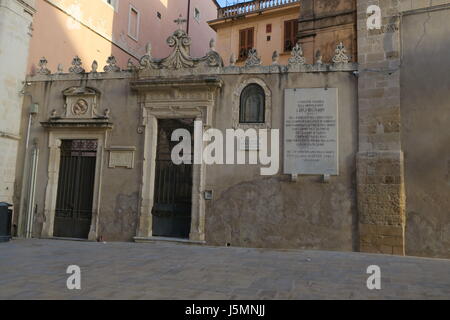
point(252, 6)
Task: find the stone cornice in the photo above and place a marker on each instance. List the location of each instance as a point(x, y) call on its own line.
point(91, 125)
point(185, 82)
point(217, 71)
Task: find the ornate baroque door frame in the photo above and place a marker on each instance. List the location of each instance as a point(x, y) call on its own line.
point(78, 119)
point(55, 138)
point(173, 99)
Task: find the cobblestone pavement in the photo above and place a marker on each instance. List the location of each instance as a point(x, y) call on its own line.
point(36, 269)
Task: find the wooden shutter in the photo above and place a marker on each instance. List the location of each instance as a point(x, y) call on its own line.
point(295, 32)
point(250, 42)
point(290, 34)
point(246, 42)
point(242, 43)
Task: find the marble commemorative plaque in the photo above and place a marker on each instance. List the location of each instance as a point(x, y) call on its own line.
point(311, 131)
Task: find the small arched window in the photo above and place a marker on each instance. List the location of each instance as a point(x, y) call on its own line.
point(252, 104)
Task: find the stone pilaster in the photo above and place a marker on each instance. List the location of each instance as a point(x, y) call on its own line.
point(380, 183)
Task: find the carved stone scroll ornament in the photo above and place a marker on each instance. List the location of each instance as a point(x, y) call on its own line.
point(111, 65)
point(341, 56)
point(76, 66)
point(43, 67)
point(213, 58)
point(297, 57)
point(80, 107)
point(253, 59)
point(130, 65)
point(147, 61)
point(180, 57)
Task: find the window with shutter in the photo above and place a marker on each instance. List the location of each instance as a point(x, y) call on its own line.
point(290, 34)
point(246, 42)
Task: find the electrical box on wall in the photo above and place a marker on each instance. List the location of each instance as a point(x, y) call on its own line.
point(209, 195)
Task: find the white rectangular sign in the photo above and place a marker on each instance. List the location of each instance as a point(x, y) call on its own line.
point(311, 131)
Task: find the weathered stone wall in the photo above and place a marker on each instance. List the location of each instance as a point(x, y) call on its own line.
point(381, 197)
point(247, 209)
point(120, 187)
point(425, 112)
point(15, 20)
point(251, 210)
point(403, 129)
point(322, 23)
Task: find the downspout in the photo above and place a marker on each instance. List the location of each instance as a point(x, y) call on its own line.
point(32, 191)
point(188, 16)
point(27, 179)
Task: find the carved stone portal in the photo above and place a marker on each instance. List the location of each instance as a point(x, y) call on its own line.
point(193, 99)
point(81, 103)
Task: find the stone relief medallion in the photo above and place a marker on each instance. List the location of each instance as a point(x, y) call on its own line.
point(80, 107)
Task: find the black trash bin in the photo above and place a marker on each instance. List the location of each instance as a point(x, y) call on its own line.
point(5, 221)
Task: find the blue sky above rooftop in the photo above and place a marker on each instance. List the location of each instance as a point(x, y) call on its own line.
point(223, 3)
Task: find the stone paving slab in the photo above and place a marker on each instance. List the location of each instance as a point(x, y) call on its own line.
point(36, 269)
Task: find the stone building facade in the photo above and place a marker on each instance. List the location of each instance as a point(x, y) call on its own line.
point(403, 124)
point(15, 33)
point(124, 112)
point(389, 194)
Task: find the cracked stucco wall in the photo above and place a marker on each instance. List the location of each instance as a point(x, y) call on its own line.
point(251, 210)
point(425, 116)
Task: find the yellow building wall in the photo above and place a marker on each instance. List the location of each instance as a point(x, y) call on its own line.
point(228, 35)
point(59, 37)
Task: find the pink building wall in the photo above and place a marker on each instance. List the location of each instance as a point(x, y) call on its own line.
point(93, 30)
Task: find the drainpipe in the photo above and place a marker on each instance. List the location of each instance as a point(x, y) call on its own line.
point(28, 182)
point(188, 16)
point(32, 192)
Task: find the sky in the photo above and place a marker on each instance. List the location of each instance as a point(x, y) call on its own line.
point(230, 2)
